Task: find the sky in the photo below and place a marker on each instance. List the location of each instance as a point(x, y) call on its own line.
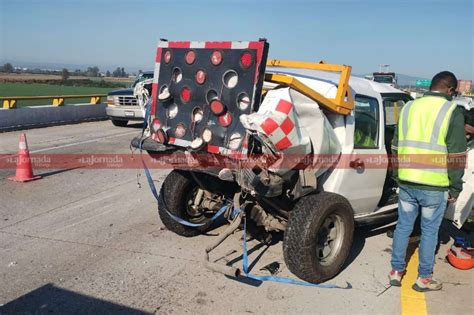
point(417, 37)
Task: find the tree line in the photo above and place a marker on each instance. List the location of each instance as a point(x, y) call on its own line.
point(94, 71)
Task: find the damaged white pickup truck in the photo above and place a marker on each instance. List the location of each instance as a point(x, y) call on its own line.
point(300, 148)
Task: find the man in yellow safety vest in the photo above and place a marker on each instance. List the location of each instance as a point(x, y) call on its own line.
point(430, 133)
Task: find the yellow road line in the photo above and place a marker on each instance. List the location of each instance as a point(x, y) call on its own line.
point(412, 302)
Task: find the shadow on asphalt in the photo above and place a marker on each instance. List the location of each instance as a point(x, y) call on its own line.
point(449, 232)
point(253, 262)
point(135, 125)
point(360, 235)
point(249, 252)
point(50, 299)
point(57, 172)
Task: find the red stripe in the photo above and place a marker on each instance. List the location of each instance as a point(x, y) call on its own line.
point(287, 126)
point(220, 45)
point(158, 55)
point(179, 44)
point(212, 148)
point(154, 95)
point(269, 126)
point(171, 140)
point(236, 154)
point(245, 144)
point(259, 47)
point(283, 144)
point(284, 106)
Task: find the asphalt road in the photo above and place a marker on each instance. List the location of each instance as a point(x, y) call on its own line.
point(90, 241)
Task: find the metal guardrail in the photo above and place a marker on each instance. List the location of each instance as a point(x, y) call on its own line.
point(9, 102)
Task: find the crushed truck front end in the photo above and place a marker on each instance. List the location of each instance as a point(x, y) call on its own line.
point(265, 141)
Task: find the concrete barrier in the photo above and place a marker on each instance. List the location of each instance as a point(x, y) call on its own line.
point(49, 115)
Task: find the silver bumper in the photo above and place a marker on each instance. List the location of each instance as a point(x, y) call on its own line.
point(125, 112)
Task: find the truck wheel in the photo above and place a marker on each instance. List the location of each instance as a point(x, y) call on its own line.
point(119, 123)
point(319, 236)
point(176, 197)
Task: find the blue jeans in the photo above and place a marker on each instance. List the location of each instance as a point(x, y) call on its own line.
point(432, 205)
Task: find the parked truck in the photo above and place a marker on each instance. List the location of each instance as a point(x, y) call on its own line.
point(122, 105)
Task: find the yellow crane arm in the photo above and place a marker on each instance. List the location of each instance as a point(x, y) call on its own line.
point(343, 103)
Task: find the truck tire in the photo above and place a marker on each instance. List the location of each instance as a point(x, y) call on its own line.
point(119, 123)
point(177, 191)
point(318, 237)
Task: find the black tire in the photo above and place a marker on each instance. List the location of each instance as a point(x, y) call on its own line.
point(119, 123)
point(177, 190)
point(306, 229)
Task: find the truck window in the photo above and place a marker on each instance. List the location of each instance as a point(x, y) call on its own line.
point(393, 104)
point(392, 111)
point(366, 117)
point(142, 77)
point(383, 79)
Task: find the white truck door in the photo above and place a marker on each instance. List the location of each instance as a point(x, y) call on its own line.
point(461, 209)
point(362, 181)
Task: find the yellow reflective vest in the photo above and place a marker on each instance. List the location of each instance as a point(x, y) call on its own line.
point(422, 150)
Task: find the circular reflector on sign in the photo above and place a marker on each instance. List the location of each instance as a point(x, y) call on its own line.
point(172, 111)
point(225, 120)
point(246, 60)
point(198, 114)
point(185, 94)
point(200, 76)
point(217, 107)
point(180, 130)
point(190, 57)
point(235, 140)
point(162, 136)
point(167, 56)
point(177, 75)
point(207, 135)
point(243, 101)
point(211, 95)
point(197, 143)
point(164, 93)
point(216, 58)
point(230, 79)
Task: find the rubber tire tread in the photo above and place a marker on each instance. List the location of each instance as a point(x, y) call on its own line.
point(119, 123)
point(298, 242)
point(172, 198)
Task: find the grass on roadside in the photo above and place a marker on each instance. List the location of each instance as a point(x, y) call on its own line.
point(23, 89)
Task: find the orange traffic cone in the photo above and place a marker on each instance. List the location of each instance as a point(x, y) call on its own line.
point(24, 171)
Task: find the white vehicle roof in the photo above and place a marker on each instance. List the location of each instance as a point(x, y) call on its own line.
point(465, 102)
point(326, 83)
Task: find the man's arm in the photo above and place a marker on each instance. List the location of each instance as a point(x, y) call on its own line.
point(469, 129)
point(457, 146)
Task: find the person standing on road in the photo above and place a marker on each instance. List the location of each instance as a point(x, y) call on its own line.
point(469, 125)
point(431, 126)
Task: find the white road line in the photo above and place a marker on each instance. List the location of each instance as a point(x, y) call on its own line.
point(83, 142)
point(80, 142)
point(70, 145)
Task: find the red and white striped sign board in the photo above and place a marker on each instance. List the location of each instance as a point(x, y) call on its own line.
point(196, 74)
